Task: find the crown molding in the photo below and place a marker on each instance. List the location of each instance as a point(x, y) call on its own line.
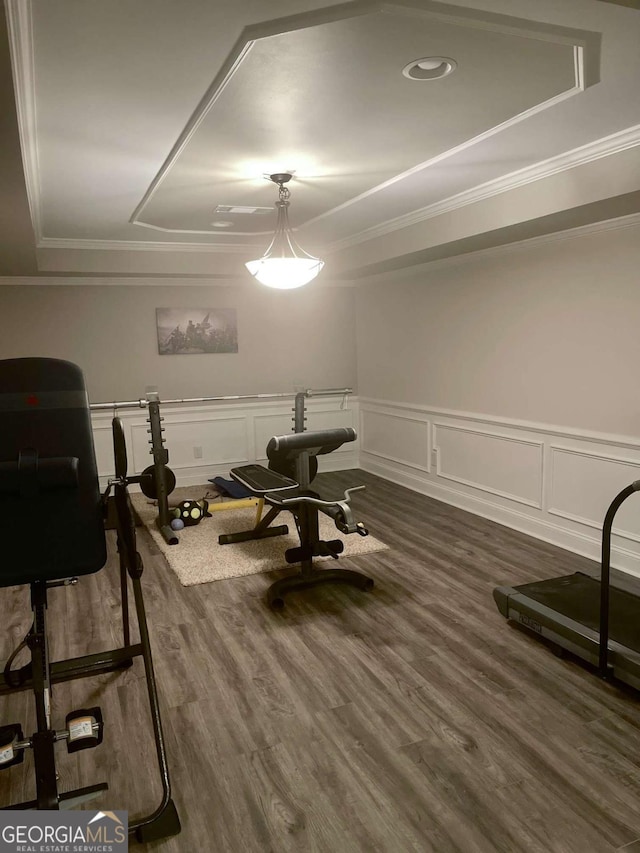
point(146, 246)
point(238, 53)
point(586, 73)
point(482, 19)
point(605, 147)
point(213, 232)
point(19, 18)
point(50, 280)
point(427, 164)
point(20, 32)
point(618, 224)
point(234, 280)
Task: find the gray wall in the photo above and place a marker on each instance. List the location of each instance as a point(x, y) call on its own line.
point(286, 339)
point(547, 333)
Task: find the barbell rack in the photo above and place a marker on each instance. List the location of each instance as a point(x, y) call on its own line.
point(143, 402)
point(152, 403)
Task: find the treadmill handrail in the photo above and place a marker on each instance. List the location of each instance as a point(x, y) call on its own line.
point(605, 573)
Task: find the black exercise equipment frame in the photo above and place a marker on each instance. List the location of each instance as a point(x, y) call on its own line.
point(283, 493)
point(41, 673)
point(163, 476)
point(605, 576)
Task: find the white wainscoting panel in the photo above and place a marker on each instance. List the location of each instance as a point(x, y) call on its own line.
point(550, 482)
point(103, 442)
point(227, 435)
point(267, 425)
point(220, 439)
point(553, 483)
point(321, 418)
point(503, 465)
point(583, 485)
point(318, 417)
point(397, 438)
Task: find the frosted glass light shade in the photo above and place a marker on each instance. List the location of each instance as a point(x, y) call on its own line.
point(285, 273)
point(284, 265)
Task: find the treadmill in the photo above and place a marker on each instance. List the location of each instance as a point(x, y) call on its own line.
point(595, 618)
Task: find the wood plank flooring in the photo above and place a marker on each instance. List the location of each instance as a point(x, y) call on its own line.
point(412, 718)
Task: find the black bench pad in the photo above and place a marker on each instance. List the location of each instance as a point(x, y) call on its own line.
point(260, 480)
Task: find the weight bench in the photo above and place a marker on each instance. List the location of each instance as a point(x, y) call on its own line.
point(53, 532)
point(296, 456)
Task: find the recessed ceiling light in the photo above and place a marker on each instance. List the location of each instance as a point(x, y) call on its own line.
point(222, 223)
point(430, 68)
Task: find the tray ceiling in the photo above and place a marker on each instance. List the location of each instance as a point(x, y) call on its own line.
point(137, 127)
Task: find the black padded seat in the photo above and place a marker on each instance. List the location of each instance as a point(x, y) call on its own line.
point(51, 519)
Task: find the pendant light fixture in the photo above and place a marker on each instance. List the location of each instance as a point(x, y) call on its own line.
point(284, 265)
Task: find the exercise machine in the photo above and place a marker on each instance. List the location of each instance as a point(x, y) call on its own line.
point(158, 480)
point(596, 618)
point(285, 485)
point(53, 532)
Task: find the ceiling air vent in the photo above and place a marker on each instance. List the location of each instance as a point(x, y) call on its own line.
point(236, 208)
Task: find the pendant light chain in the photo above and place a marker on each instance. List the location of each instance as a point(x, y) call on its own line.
point(285, 264)
point(284, 193)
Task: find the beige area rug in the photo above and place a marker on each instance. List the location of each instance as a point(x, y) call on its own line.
point(198, 558)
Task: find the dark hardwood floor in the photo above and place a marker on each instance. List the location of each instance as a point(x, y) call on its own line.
point(411, 718)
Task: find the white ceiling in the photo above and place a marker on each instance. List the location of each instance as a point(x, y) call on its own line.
point(134, 119)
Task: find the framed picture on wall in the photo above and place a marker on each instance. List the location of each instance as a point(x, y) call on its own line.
point(193, 331)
